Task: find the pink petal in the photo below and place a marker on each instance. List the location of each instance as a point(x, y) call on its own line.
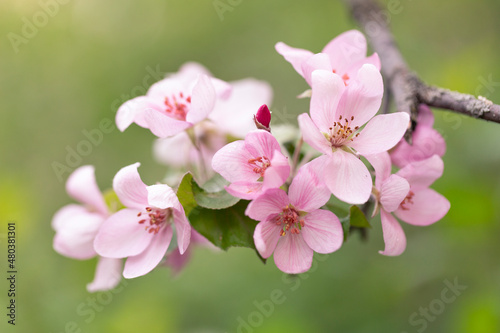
point(322, 231)
point(167, 87)
point(148, 259)
point(348, 178)
point(162, 125)
point(426, 142)
point(381, 133)
point(352, 69)
point(82, 186)
point(276, 174)
point(231, 162)
point(292, 254)
point(129, 187)
point(245, 190)
point(293, 55)
point(425, 117)
point(382, 164)
point(176, 260)
point(122, 236)
point(345, 49)
point(107, 275)
point(202, 100)
point(327, 90)
point(316, 62)
point(173, 151)
point(269, 203)
point(393, 192)
point(422, 174)
point(312, 135)
point(428, 207)
point(182, 228)
point(307, 192)
point(162, 196)
point(76, 229)
point(261, 143)
point(132, 111)
point(189, 72)
point(394, 236)
point(266, 236)
point(235, 115)
point(362, 97)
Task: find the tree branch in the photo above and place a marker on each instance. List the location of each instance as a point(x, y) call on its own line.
point(406, 87)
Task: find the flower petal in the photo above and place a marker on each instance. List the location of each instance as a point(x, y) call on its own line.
point(76, 229)
point(107, 275)
point(269, 203)
point(322, 231)
point(129, 187)
point(161, 125)
point(382, 164)
point(292, 254)
point(162, 196)
point(348, 178)
point(381, 133)
point(261, 143)
point(82, 186)
point(293, 55)
point(394, 236)
point(422, 174)
point(307, 192)
point(202, 100)
point(362, 97)
point(182, 228)
point(317, 61)
point(176, 260)
point(327, 90)
point(122, 236)
point(428, 207)
point(175, 151)
point(132, 111)
point(266, 236)
point(148, 259)
point(277, 173)
point(312, 135)
point(245, 190)
point(231, 162)
point(345, 49)
point(393, 192)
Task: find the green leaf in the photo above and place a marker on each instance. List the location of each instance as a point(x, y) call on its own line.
point(358, 218)
point(218, 199)
point(185, 194)
point(225, 228)
point(112, 201)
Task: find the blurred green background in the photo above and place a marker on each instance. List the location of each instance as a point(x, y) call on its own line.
point(87, 57)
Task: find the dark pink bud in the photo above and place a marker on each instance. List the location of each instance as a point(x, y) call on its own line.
point(263, 118)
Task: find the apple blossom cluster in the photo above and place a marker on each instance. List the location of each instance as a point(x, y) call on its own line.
point(235, 180)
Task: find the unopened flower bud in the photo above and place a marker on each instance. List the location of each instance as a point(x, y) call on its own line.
point(263, 118)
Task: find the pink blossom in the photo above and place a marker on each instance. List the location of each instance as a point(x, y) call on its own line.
point(76, 227)
point(426, 141)
point(252, 166)
point(175, 103)
point(232, 116)
point(408, 196)
point(344, 55)
point(142, 232)
point(263, 118)
point(335, 129)
point(292, 226)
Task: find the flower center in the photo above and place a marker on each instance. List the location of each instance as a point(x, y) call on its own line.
point(407, 201)
point(345, 77)
point(156, 218)
point(260, 164)
point(341, 132)
point(177, 106)
point(290, 220)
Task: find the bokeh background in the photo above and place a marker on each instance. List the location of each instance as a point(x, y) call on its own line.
point(87, 57)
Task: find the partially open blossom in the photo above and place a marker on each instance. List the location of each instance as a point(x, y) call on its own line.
point(175, 103)
point(426, 141)
point(344, 55)
point(263, 118)
point(76, 227)
point(292, 225)
point(253, 165)
point(408, 196)
point(142, 232)
point(335, 128)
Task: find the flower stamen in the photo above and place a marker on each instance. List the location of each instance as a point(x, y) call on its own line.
point(260, 164)
point(177, 106)
point(290, 219)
